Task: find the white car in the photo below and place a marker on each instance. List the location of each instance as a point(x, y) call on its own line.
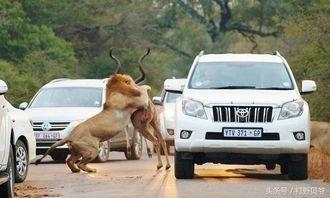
point(63, 103)
point(167, 100)
point(242, 109)
point(17, 145)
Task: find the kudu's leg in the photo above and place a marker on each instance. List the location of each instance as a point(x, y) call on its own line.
point(147, 133)
point(161, 141)
point(148, 148)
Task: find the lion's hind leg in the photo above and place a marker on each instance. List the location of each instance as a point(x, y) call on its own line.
point(87, 157)
point(71, 162)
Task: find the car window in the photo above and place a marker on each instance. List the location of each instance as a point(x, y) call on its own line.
point(68, 97)
point(254, 75)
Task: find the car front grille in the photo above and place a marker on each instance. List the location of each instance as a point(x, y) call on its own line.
point(45, 143)
point(242, 113)
point(53, 126)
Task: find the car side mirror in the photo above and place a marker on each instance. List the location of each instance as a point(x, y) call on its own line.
point(308, 86)
point(3, 87)
point(23, 105)
point(157, 100)
point(175, 85)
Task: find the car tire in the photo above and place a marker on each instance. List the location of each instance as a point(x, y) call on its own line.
point(270, 166)
point(298, 167)
point(22, 161)
point(104, 152)
point(59, 156)
point(136, 147)
point(7, 189)
point(183, 168)
point(284, 168)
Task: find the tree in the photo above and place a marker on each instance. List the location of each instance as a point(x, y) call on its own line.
point(31, 54)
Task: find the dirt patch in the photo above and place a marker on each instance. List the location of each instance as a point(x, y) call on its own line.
point(28, 191)
point(318, 165)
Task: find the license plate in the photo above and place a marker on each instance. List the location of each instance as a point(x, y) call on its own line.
point(242, 132)
point(47, 136)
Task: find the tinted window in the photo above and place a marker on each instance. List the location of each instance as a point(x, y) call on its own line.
point(68, 97)
point(254, 75)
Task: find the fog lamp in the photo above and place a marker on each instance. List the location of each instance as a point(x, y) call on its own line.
point(185, 134)
point(170, 131)
point(299, 135)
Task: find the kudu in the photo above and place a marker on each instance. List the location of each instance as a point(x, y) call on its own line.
point(147, 122)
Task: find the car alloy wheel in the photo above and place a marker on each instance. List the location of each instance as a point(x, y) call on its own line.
point(137, 145)
point(104, 150)
point(22, 161)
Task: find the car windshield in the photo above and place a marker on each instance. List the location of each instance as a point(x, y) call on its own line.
point(171, 97)
point(241, 75)
point(68, 97)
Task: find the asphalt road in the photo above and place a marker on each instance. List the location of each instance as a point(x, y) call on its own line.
point(121, 178)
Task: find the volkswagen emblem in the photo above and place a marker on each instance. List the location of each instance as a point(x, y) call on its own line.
point(242, 113)
point(46, 126)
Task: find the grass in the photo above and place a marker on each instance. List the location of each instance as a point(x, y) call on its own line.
point(318, 165)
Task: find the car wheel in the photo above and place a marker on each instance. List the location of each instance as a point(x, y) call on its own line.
point(284, 168)
point(104, 152)
point(183, 168)
point(22, 161)
point(297, 167)
point(270, 166)
point(136, 147)
point(59, 156)
point(7, 189)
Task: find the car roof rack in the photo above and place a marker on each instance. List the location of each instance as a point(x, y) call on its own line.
point(58, 80)
point(201, 53)
point(276, 53)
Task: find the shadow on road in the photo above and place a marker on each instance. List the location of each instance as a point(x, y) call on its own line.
point(239, 173)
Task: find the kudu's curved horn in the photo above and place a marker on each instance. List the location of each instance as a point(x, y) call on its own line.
point(142, 78)
point(118, 70)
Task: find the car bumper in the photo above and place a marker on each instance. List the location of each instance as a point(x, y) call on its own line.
point(198, 141)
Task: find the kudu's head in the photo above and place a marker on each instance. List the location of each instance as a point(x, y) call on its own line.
point(140, 80)
point(121, 90)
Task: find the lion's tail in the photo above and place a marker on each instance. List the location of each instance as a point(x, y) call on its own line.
point(56, 144)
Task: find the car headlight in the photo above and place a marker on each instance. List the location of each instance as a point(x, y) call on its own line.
point(291, 109)
point(193, 108)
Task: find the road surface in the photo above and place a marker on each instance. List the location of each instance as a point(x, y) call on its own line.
point(121, 178)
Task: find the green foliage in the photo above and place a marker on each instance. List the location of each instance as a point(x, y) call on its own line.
point(31, 54)
point(21, 87)
point(41, 39)
point(307, 39)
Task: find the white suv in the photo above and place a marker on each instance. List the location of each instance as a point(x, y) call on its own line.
point(167, 101)
point(63, 103)
point(242, 109)
point(17, 145)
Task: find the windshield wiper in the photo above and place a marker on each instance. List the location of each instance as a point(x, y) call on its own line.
point(275, 88)
point(234, 87)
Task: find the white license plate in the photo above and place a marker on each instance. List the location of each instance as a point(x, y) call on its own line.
point(47, 136)
point(231, 132)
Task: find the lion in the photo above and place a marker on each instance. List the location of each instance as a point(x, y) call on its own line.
point(123, 97)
